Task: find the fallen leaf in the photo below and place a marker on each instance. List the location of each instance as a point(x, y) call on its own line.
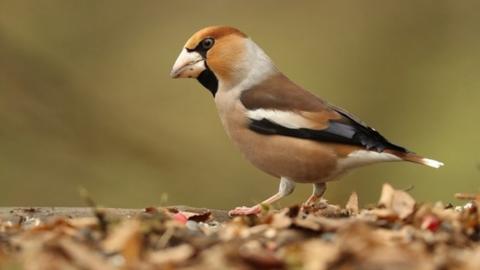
point(171, 255)
point(257, 256)
point(352, 204)
point(386, 196)
point(180, 217)
point(318, 255)
point(198, 217)
point(83, 256)
point(125, 239)
point(402, 204)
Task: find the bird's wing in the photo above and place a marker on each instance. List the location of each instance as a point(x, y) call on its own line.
point(280, 107)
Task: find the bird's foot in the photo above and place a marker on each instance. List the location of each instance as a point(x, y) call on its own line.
point(244, 211)
point(311, 201)
point(313, 204)
point(307, 208)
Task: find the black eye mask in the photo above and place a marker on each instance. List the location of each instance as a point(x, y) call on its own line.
point(203, 47)
point(207, 78)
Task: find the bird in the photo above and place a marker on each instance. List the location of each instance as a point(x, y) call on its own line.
point(280, 127)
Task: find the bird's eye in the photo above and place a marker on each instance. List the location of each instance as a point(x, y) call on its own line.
point(207, 43)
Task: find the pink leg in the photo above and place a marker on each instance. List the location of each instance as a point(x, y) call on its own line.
point(286, 187)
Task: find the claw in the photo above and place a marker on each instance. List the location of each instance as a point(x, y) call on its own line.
point(313, 204)
point(311, 201)
point(244, 211)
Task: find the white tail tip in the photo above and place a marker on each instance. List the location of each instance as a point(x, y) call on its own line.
point(432, 163)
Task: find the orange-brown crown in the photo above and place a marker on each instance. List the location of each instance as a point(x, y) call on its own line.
point(227, 50)
point(215, 32)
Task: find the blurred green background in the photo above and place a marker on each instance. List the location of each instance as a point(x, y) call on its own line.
point(86, 100)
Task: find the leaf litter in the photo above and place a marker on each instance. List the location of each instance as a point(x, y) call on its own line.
point(397, 233)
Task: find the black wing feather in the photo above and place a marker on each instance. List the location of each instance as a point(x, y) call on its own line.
point(346, 130)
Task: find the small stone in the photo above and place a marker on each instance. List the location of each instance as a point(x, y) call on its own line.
point(192, 225)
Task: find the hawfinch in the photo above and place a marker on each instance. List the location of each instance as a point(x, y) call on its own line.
point(281, 128)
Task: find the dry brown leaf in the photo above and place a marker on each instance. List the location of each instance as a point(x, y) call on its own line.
point(257, 256)
point(173, 255)
point(309, 223)
point(235, 229)
point(83, 222)
point(382, 213)
point(402, 204)
point(125, 239)
point(83, 256)
point(352, 204)
point(436, 236)
point(202, 216)
point(198, 217)
point(399, 201)
point(44, 259)
point(467, 196)
point(280, 220)
point(386, 196)
point(318, 255)
point(473, 256)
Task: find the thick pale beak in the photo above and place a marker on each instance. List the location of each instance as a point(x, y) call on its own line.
point(188, 65)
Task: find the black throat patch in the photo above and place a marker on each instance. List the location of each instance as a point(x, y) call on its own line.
point(208, 80)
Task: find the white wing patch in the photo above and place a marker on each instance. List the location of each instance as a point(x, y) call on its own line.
point(283, 118)
point(364, 157)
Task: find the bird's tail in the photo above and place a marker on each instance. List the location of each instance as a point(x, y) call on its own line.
point(412, 157)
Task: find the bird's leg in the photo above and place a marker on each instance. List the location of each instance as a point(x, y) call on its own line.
point(318, 191)
point(285, 188)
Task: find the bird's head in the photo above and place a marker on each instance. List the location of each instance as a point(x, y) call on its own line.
point(218, 54)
